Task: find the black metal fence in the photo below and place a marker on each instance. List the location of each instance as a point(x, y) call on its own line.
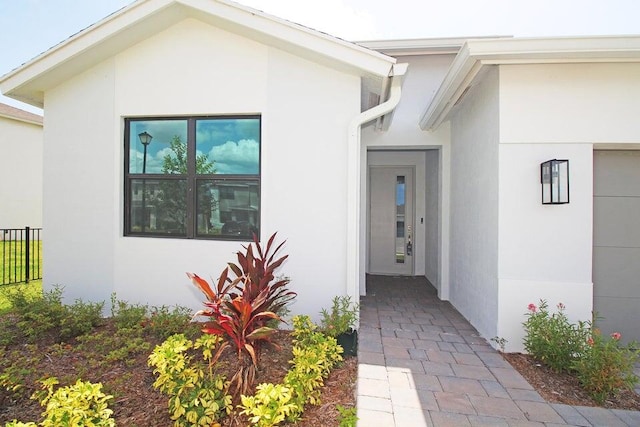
point(20, 255)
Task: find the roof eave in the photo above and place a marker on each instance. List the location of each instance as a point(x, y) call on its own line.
point(14, 113)
point(144, 18)
point(477, 53)
point(419, 47)
point(21, 119)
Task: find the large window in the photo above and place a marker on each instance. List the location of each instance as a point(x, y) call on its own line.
point(196, 177)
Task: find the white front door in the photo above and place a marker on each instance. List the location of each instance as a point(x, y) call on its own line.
point(391, 239)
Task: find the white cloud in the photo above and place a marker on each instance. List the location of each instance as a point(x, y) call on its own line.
point(236, 157)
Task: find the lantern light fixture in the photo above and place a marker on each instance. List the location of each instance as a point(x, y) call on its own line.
point(554, 177)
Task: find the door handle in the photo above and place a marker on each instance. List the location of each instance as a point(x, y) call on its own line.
point(409, 248)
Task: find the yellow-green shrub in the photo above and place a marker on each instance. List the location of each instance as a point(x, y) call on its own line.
point(314, 355)
point(269, 406)
point(196, 395)
point(80, 404)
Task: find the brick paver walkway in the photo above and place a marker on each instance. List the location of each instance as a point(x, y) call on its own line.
point(422, 364)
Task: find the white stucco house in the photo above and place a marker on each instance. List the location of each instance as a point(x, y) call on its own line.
point(20, 168)
point(408, 157)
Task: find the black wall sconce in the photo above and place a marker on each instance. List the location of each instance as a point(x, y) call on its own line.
point(554, 176)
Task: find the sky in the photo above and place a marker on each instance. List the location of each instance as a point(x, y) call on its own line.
point(30, 27)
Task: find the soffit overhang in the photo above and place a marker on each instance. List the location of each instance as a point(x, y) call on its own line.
point(476, 54)
point(145, 18)
point(420, 47)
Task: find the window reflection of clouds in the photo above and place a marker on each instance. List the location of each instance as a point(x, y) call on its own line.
point(162, 132)
point(232, 143)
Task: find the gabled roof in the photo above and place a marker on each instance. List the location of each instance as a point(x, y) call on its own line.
point(476, 54)
point(144, 18)
point(13, 113)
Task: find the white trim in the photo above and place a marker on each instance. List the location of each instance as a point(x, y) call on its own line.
point(477, 53)
point(413, 47)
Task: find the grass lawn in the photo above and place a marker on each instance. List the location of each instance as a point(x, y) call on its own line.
point(12, 254)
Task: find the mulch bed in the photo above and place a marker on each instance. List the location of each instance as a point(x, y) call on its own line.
point(137, 403)
point(564, 388)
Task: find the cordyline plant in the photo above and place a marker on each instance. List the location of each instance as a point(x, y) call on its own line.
point(240, 309)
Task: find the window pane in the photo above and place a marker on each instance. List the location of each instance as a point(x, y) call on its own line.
point(228, 208)
point(165, 150)
point(400, 220)
point(228, 146)
point(159, 206)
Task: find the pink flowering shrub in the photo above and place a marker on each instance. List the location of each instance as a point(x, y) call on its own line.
point(551, 338)
point(606, 366)
point(602, 365)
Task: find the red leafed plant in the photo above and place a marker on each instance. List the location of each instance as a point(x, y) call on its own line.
point(239, 309)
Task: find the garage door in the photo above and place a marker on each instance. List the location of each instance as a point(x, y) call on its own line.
point(616, 242)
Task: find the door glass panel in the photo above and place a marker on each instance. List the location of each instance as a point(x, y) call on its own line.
point(400, 220)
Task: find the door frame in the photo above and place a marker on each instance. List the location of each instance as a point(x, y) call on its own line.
point(431, 252)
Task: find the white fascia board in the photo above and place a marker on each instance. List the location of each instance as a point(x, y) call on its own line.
point(418, 47)
point(461, 72)
point(477, 53)
point(21, 119)
point(144, 18)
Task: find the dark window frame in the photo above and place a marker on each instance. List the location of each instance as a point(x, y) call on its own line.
point(192, 179)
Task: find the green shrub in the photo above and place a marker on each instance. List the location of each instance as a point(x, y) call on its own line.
point(19, 298)
point(38, 316)
point(121, 345)
point(196, 394)
point(314, 355)
point(164, 322)
point(342, 317)
point(9, 332)
point(552, 339)
point(269, 406)
point(602, 365)
point(347, 416)
point(80, 318)
point(127, 315)
point(606, 367)
point(80, 404)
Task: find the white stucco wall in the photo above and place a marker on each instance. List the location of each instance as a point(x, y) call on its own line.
point(432, 217)
point(555, 111)
point(544, 250)
point(195, 69)
point(20, 174)
point(474, 205)
point(570, 103)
